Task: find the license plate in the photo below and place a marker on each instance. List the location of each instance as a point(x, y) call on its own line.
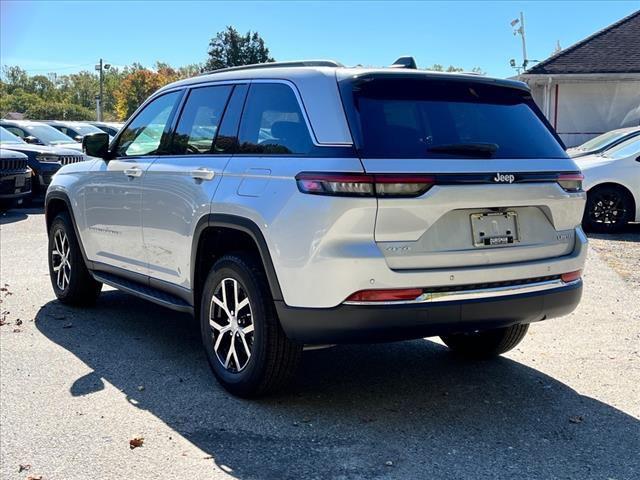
point(20, 181)
point(494, 229)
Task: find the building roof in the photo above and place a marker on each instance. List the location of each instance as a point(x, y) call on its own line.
point(615, 49)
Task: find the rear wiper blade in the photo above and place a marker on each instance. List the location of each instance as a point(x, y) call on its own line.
point(483, 150)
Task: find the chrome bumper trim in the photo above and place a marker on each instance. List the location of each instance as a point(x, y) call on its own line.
point(484, 293)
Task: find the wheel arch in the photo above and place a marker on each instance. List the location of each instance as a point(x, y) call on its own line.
point(55, 203)
point(228, 233)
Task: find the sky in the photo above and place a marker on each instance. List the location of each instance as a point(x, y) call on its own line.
point(66, 37)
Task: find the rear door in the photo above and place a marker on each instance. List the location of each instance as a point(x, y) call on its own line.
point(490, 162)
point(179, 186)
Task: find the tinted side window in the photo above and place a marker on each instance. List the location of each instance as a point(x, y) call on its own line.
point(227, 139)
point(272, 122)
point(16, 131)
point(200, 119)
point(143, 135)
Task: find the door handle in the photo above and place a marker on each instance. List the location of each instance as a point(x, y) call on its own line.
point(203, 174)
point(133, 172)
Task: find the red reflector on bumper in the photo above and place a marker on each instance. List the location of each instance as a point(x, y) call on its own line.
point(385, 295)
point(571, 276)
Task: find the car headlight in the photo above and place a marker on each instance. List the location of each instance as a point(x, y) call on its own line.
point(47, 158)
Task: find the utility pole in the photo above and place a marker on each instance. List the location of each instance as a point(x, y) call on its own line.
point(101, 67)
point(521, 32)
point(524, 43)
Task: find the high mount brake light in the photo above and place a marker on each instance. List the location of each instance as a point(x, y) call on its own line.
point(571, 182)
point(364, 185)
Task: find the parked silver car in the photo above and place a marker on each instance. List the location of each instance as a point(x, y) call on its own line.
point(38, 133)
point(306, 203)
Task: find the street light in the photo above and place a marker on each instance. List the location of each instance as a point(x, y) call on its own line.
point(101, 67)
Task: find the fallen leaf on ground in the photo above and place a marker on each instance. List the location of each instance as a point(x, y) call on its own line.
point(34, 477)
point(68, 325)
point(16, 330)
point(576, 419)
point(24, 467)
point(136, 442)
point(18, 322)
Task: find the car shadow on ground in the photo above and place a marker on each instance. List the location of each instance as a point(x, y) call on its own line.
point(18, 214)
point(630, 233)
point(352, 408)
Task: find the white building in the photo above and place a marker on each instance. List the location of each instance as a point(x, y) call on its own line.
point(593, 86)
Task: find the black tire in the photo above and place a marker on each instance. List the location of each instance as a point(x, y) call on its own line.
point(273, 359)
point(80, 288)
point(487, 343)
point(608, 210)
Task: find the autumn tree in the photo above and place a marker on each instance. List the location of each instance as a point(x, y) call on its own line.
point(230, 49)
point(136, 87)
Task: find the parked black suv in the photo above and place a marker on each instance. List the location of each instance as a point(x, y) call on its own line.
point(15, 178)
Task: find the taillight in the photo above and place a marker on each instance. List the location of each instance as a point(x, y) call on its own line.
point(364, 185)
point(393, 295)
point(571, 182)
point(571, 276)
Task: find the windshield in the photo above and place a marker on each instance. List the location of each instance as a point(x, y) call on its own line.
point(423, 117)
point(625, 149)
point(601, 141)
point(85, 129)
point(48, 134)
point(7, 137)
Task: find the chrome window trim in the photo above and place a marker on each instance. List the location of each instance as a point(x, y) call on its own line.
point(483, 293)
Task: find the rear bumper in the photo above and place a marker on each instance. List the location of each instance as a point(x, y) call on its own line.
point(376, 323)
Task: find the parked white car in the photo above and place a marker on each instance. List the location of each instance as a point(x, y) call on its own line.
point(612, 182)
point(604, 142)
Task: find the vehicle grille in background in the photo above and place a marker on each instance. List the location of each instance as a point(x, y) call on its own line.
point(67, 159)
point(13, 164)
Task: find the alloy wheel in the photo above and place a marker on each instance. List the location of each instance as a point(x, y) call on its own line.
point(231, 322)
point(60, 259)
point(607, 208)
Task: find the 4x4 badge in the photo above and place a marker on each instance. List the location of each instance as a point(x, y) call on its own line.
point(500, 178)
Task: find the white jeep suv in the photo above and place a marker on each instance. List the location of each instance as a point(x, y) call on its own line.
point(306, 203)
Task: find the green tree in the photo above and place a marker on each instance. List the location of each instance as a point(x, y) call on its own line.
point(230, 49)
point(436, 67)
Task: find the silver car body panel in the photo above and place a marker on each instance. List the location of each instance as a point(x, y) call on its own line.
point(323, 248)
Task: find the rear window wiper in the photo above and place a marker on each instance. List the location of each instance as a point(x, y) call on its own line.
point(482, 150)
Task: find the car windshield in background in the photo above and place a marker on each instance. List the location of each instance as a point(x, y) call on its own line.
point(601, 141)
point(7, 137)
point(86, 129)
point(434, 118)
point(48, 134)
point(625, 149)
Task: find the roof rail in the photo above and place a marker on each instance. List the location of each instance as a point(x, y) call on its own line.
point(255, 66)
point(405, 62)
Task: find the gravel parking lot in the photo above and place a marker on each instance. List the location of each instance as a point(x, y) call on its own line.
point(78, 385)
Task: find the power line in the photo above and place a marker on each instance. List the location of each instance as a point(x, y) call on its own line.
point(52, 70)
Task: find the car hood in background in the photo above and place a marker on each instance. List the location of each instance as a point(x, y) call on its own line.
point(30, 148)
point(11, 154)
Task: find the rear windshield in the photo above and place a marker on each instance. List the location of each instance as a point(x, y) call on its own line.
point(435, 118)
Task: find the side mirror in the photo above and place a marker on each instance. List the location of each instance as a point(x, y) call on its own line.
point(33, 140)
point(96, 145)
point(78, 138)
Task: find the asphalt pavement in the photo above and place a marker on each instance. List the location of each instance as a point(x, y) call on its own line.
point(77, 385)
